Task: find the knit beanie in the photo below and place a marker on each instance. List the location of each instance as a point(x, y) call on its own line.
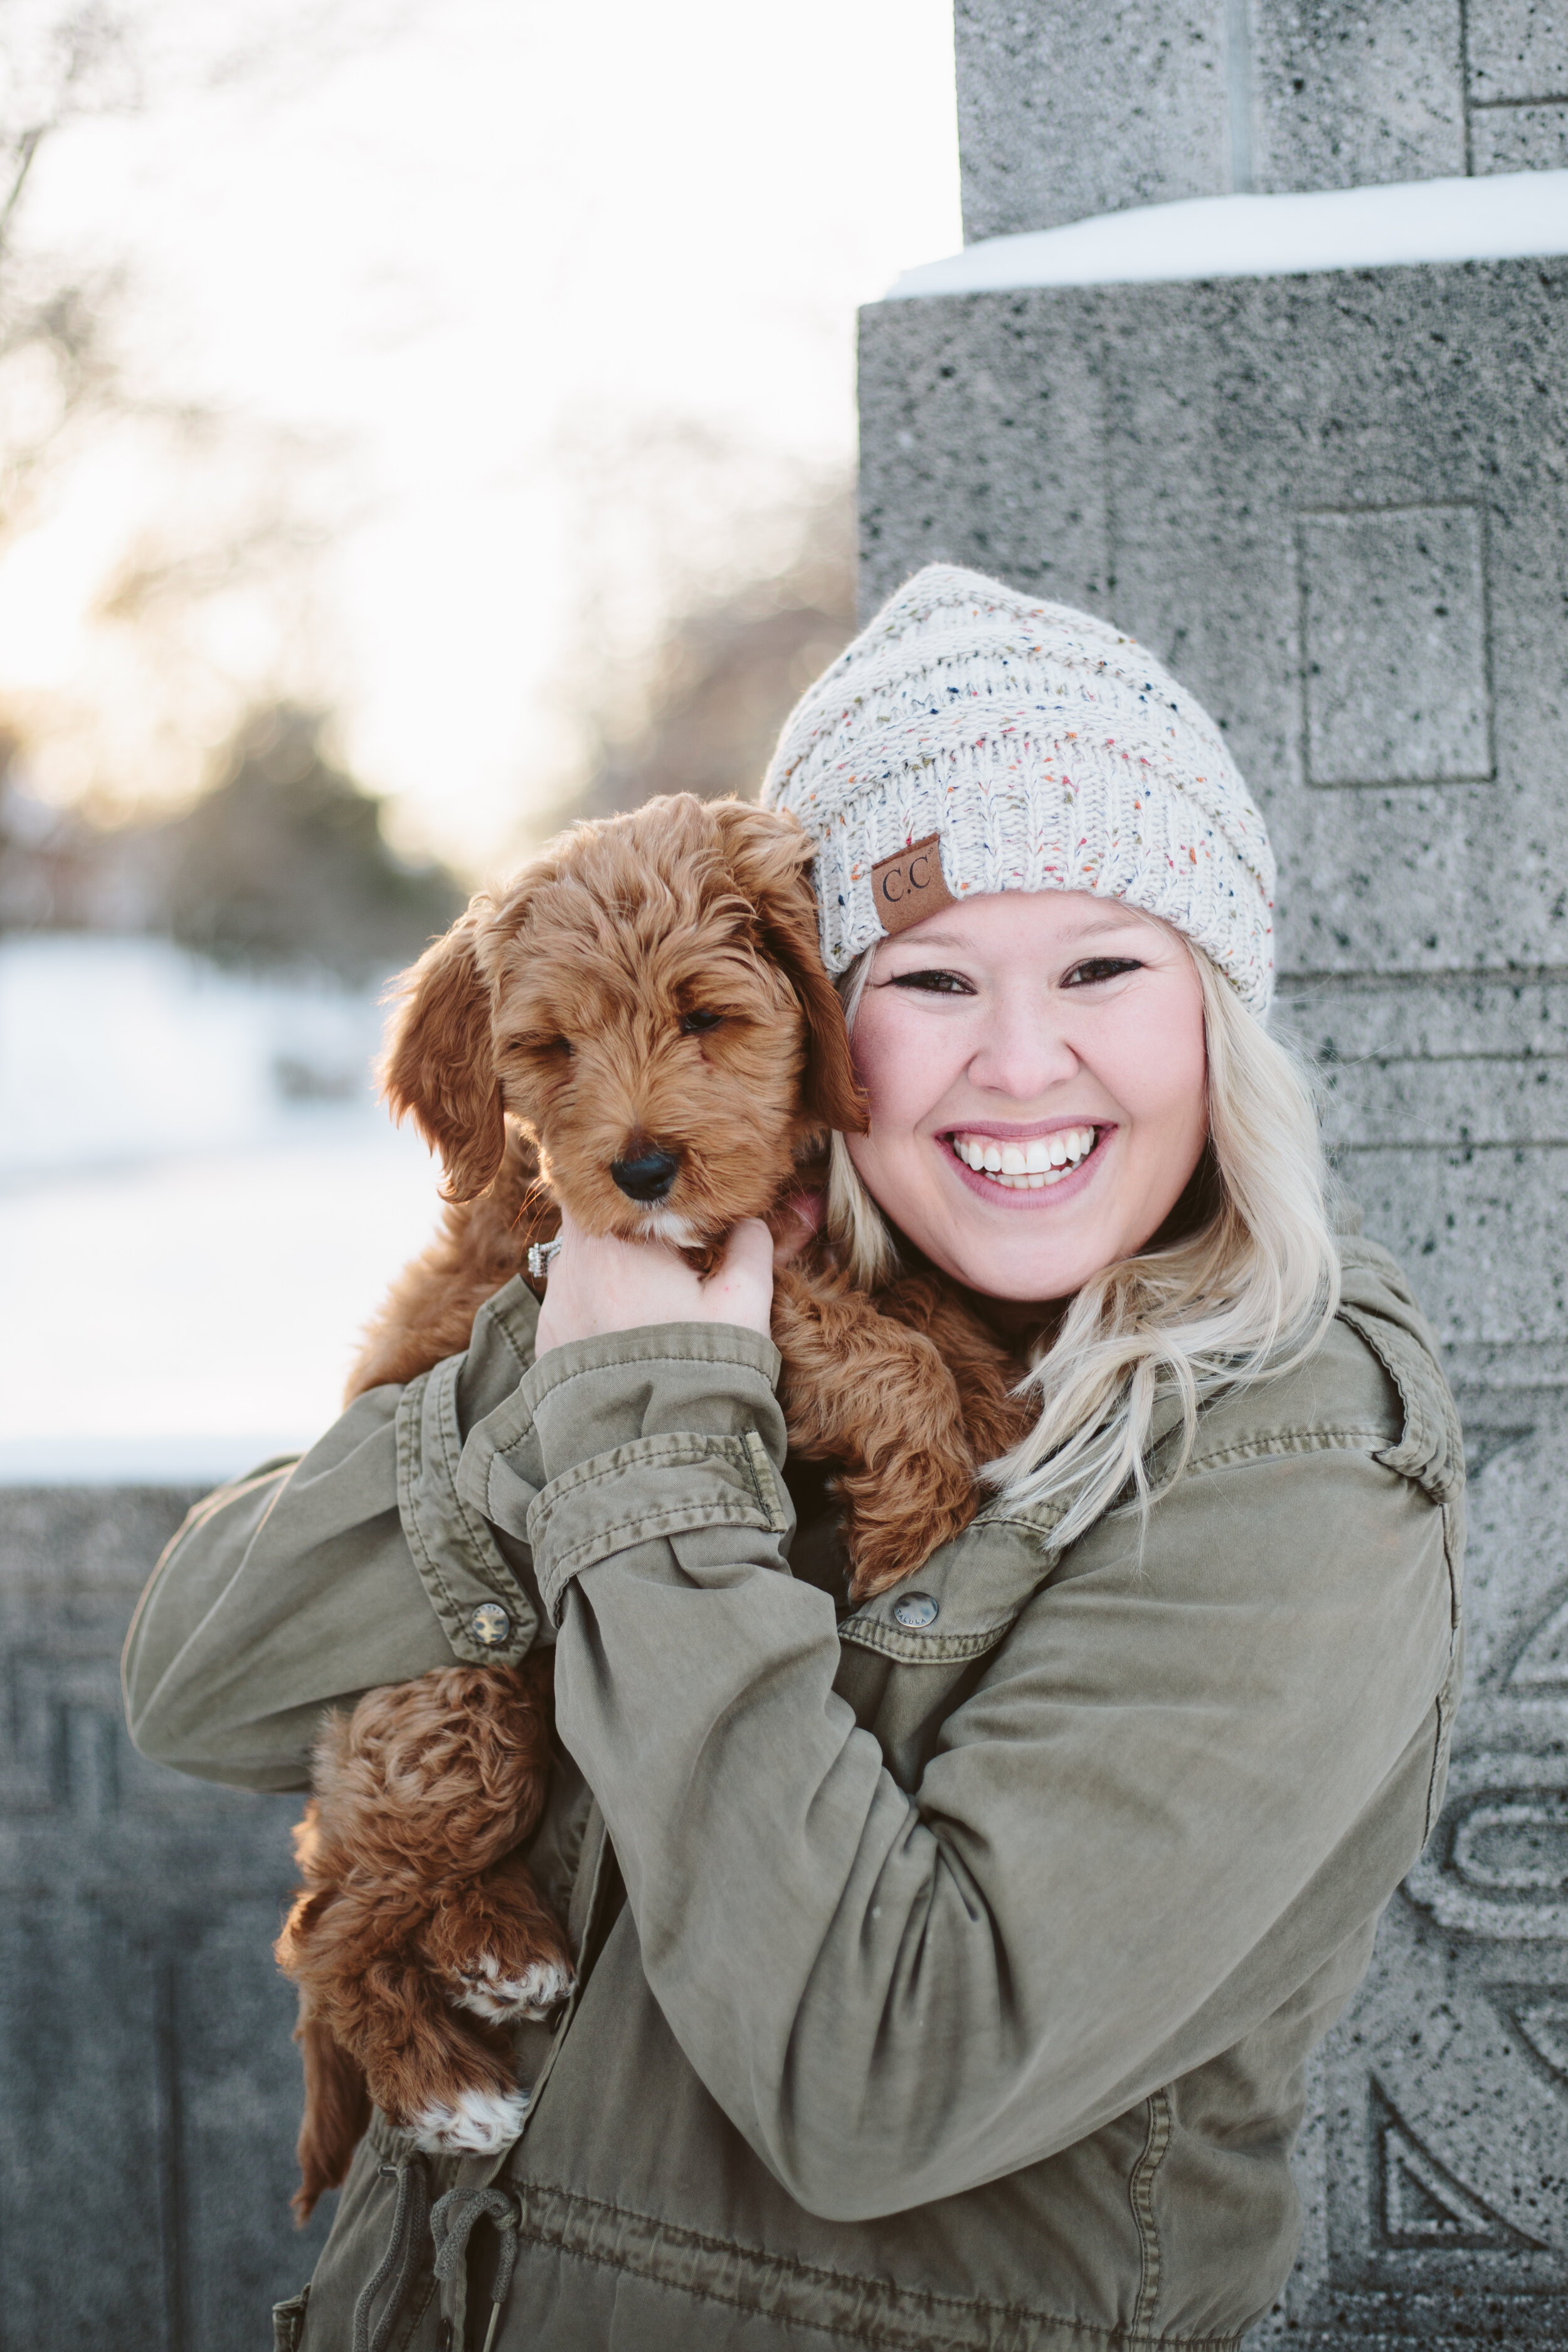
point(972, 738)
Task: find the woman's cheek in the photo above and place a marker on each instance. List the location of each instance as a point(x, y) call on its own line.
point(884, 1055)
point(1162, 1084)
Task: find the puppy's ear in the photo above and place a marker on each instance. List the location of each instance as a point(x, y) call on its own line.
point(439, 1067)
point(768, 856)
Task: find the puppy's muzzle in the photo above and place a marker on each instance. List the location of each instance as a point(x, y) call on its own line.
point(646, 1176)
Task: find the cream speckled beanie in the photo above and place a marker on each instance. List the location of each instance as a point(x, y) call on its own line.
point(972, 738)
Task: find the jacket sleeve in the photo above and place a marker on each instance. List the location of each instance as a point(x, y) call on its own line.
point(306, 1585)
point(897, 1995)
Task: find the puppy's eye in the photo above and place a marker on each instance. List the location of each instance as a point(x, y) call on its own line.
point(537, 1045)
point(697, 1024)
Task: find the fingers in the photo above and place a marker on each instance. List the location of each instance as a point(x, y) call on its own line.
point(599, 1285)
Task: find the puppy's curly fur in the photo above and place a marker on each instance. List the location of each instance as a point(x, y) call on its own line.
point(640, 1026)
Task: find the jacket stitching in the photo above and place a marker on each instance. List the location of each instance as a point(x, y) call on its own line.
point(673, 1450)
point(1439, 1747)
point(409, 1461)
point(1456, 1572)
point(554, 1383)
point(495, 1436)
point(1446, 1708)
point(925, 1649)
point(410, 1442)
point(420, 2304)
point(882, 2327)
point(936, 1649)
point(499, 1317)
point(765, 1480)
point(1141, 2192)
point(1308, 1439)
point(679, 1520)
point(450, 1439)
point(1430, 1446)
point(670, 1450)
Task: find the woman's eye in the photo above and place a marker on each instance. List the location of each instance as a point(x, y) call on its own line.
point(1084, 976)
point(935, 983)
point(697, 1024)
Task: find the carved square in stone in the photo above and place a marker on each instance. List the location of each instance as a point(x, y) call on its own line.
point(1519, 138)
point(1394, 652)
point(1517, 49)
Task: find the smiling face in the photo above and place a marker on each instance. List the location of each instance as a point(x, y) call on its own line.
point(1035, 1068)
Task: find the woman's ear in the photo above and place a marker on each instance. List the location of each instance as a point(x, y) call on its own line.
point(439, 1067)
point(769, 856)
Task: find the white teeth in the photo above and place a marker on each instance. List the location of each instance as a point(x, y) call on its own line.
point(1019, 1167)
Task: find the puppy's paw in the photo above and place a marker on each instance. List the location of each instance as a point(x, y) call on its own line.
point(478, 2123)
point(491, 1990)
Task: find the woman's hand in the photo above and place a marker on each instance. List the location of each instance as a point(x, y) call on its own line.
point(597, 1284)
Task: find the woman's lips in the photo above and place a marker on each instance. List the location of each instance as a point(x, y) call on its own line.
point(1068, 1184)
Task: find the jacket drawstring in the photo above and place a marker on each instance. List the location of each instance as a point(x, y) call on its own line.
point(451, 2225)
point(410, 2219)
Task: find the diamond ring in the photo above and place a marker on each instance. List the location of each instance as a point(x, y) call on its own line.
point(539, 1256)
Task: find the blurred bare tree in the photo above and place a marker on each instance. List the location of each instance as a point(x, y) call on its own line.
point(284, 856)
point(725, 675)
point(720, 582)
point(64, 61)
point(56, 365)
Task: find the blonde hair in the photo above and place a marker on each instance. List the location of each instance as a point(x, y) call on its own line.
point(1244, 1298)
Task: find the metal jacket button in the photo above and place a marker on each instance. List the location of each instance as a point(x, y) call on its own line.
point(490, 1624)
point(916, 1609)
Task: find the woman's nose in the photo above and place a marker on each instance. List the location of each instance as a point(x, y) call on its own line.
point(1025, 1051)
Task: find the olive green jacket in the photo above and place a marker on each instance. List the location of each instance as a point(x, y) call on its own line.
point(948, 1970)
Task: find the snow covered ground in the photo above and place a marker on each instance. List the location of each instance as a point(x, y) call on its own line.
point(200, 1202)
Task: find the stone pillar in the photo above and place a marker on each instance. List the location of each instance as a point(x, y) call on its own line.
point(1337, 505)
point(1067, 107)
point(149, 2094)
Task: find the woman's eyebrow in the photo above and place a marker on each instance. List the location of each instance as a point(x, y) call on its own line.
point(1123, 924)
point(936, 939)
point(1115, 919)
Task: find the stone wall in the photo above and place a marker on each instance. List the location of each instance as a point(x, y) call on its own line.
point(1075, 107)
point(148, 2093)
point(1337, 505)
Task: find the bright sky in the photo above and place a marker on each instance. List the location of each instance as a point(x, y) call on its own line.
point(471, 240)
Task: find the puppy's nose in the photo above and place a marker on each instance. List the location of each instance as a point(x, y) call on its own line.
point(647, 1175)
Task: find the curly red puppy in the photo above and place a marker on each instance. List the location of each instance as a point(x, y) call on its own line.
point(640, 1026)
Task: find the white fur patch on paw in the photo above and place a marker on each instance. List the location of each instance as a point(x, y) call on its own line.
point(479, 2123)
point(539, 1988)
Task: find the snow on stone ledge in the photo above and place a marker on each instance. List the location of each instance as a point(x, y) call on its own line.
point(1501, 217)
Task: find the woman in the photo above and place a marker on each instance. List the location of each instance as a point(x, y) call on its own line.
point(948, 1971)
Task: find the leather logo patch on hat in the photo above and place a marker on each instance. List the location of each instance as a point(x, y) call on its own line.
point(908, 888)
